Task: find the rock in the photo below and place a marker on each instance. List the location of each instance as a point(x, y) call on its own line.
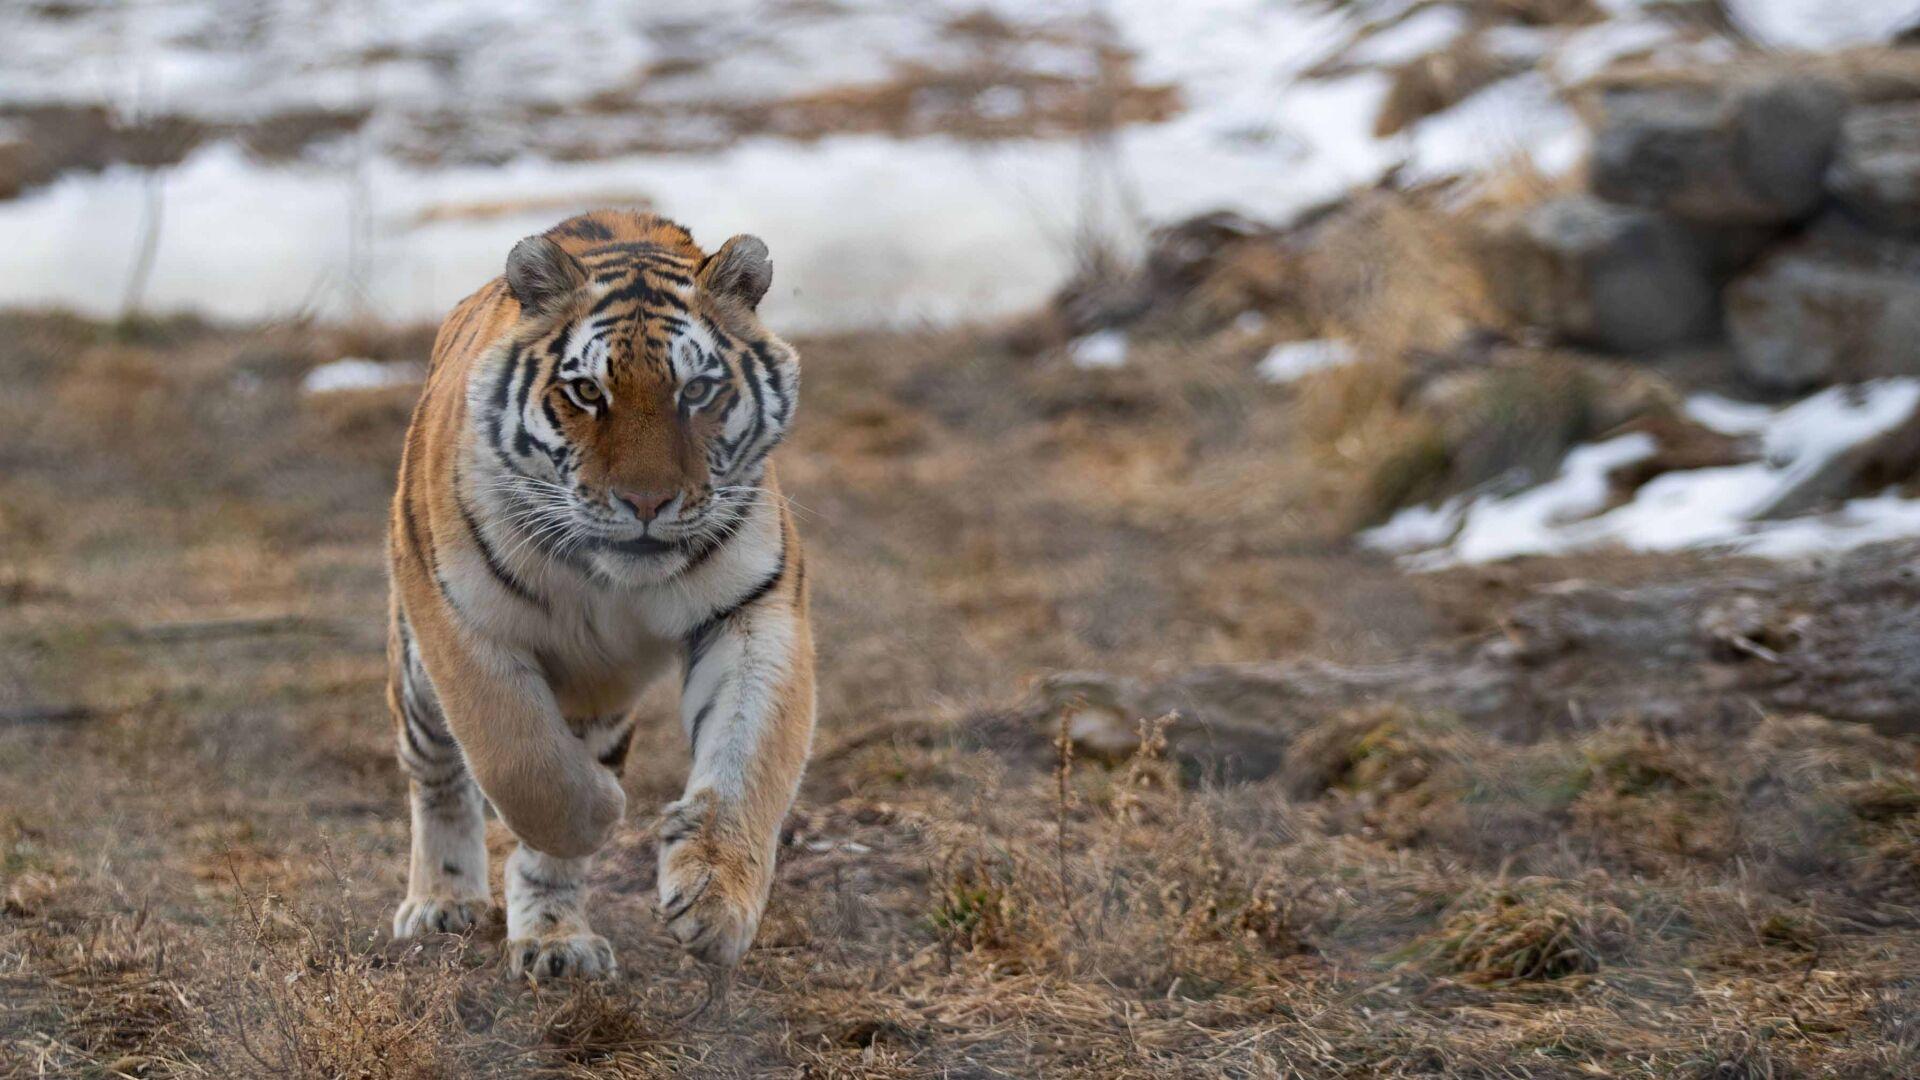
point(1206, 741)
point(1590, 272)
point(1098, 713)
point(1840, 306)
point(1103, 734)
point(1742, 151)
point(1876, 167)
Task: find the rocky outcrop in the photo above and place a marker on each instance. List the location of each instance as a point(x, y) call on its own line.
point(1781, 208)
point(1736, 152)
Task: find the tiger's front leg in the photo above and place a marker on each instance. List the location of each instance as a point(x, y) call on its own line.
point(748, 710)
point(548, 933)
point(447, 871)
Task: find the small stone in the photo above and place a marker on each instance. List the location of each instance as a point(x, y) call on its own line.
point(1102, 733)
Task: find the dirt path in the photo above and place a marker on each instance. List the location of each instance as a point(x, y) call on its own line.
point(1489, 823)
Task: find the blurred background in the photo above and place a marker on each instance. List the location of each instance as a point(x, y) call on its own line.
point(343, 158)
point(1350, 537)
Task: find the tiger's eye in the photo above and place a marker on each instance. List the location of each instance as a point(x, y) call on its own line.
point(586, 390)
point(700, 391)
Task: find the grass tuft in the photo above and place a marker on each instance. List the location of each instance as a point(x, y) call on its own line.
point(1535, 929)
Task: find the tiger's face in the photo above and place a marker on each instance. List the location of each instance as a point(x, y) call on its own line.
point(643, 395)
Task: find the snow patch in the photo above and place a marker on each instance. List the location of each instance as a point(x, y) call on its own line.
point(1522, 116)
point(1427, 30)
point(1588, 51)
point(1822, 24)
point(1726, 416)
point(1720, 507)
point(358, 373)
point(1500, 528)
point(1416, 528)
point(1293, 360)
point(1100, 349)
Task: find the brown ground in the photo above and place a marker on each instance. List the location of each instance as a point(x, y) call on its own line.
point(1636, 854)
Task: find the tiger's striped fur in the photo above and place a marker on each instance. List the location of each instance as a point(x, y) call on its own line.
point(584, 501)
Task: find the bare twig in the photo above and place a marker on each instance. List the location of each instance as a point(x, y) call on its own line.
point(1062, 776)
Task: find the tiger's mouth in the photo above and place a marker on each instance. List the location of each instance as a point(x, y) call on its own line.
point(690, 536)
point(641, 545)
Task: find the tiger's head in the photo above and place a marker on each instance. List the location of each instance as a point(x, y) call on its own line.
point(639, 395)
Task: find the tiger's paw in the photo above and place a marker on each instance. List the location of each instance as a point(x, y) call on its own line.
point(711, 893)
point(584, 955)
point(440, 915)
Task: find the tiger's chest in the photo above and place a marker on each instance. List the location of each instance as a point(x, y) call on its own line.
point(600, 651)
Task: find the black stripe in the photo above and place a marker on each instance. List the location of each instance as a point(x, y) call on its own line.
point(415, 724)
point(545, 885)
point(487, 555)
point(503, 393)
point(419, 540)
point(414, 709)
point(436, 786)
point(556, 350)
point(414, 703)
point(756, 383)
point(616, 756)
point(553, 418)
point(762, 353)
point(699, 718)
point(637, 290)
point(701, 638)
point(583, 228)
point(406, 733)
point(411, 526)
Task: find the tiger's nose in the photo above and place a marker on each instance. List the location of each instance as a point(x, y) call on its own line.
point(645, 504)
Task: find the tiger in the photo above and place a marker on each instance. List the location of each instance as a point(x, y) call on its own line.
point(586, 502)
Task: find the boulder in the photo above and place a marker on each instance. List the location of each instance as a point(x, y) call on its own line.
point(1839, 306)
point(1594, 273)
point(1876, 166)
point(1753, 151)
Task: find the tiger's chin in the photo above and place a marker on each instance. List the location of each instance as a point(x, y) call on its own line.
point(647, 559)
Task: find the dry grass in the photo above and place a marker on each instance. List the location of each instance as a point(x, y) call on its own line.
point(1438, 81)
point(1532, 930)
point(201, 836)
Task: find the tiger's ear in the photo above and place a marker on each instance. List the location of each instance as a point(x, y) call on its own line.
point(740, 269)
point(540, 274)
